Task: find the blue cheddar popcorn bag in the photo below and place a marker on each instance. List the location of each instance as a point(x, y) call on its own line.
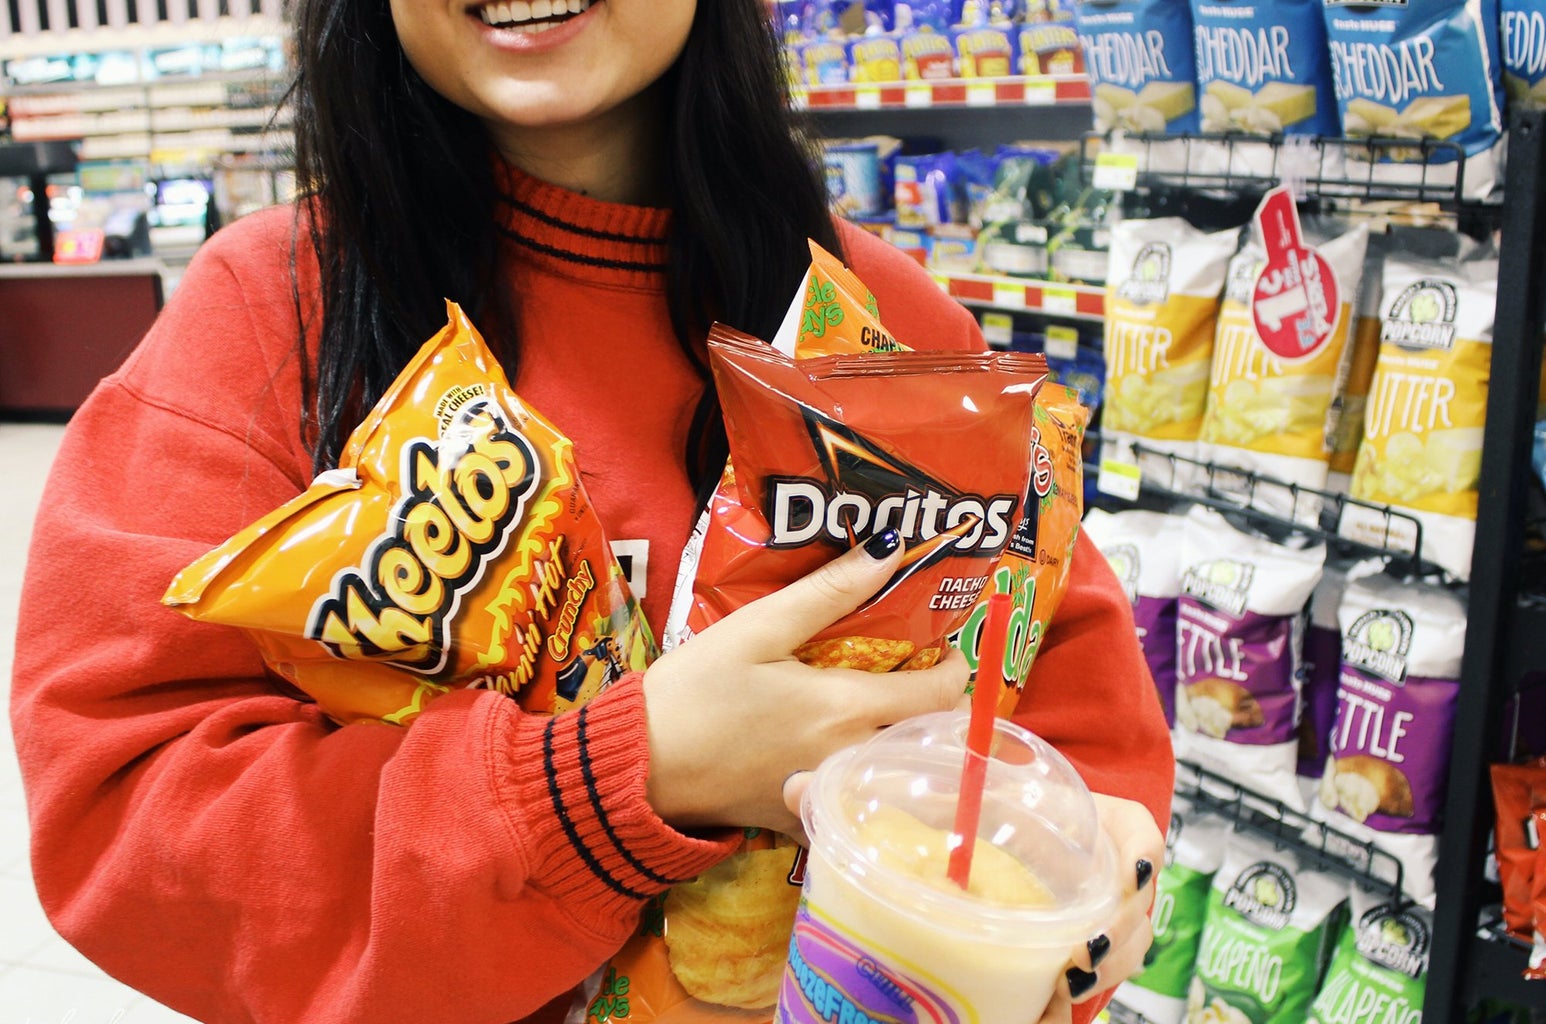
point(1425, 69)
point(1262, 67)
point(1138, 55)
point(1524, 51)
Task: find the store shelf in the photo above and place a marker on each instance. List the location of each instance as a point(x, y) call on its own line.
point(1042, 91)
point(1019, 295)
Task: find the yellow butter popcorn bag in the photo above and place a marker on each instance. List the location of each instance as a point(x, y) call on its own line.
point(1163, 288)
point(1427, 405)
point(1272, 412)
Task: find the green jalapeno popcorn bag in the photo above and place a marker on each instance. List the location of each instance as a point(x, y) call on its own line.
point(1194, 849)
point(1422, 69)
point(1272, 921)
point(1377, 972)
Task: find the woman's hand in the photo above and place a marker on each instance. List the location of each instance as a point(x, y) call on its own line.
point(1116, 954)
point(732, 715)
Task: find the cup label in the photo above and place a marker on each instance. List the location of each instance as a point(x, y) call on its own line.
point(832, 979)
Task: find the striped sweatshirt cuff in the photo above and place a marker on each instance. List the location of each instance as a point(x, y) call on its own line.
point(592, 839)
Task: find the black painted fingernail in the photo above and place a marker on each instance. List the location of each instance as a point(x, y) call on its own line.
point(883, 543)
point(1145, 871)
point(1080, 982)
point(1098, 947)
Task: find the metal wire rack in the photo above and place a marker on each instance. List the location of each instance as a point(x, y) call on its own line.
point(1327, 848)
point(1429, 170)
point(1312, 512)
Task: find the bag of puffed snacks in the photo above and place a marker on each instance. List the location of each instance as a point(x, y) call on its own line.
point(1388, 761)
point(1163, 291)
point(1378, 970)
point(1271, 406)
point(1423, 69)
point(1194, 849)
point(1240, 627)
point(1272, 921)
point(1144, 550)
point(1422, 441)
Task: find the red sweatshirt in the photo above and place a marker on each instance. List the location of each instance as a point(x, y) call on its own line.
point(222, 846)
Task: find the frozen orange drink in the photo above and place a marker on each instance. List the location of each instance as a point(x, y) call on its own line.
point(883, 934)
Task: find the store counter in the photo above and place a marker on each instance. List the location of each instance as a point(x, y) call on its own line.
point(63, 328)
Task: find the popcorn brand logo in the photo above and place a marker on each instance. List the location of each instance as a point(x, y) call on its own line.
point(1123, 559)
point(1378, 643)
point(1397, 939)
point(1222, 583)
point(1149, 282)
point(461, 496)
point(1423, 316)
point(1263, 894)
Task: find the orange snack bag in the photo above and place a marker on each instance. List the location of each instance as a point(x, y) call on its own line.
point(1034, 569)
point(829, 451)
point(454, 547)
point(838, 315)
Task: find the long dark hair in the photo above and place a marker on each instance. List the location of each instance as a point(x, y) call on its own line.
point(400, 195)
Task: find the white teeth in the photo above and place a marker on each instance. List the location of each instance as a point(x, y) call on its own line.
point(529, 15)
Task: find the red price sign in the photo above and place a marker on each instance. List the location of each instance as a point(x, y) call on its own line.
point(1295, 302)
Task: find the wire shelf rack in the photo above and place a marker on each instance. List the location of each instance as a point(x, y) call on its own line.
point(1374, 168)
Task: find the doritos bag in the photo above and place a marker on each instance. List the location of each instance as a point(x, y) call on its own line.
point(825, 452)
point(454, 547)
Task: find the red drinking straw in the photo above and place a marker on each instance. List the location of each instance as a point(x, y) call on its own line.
point(979, 736)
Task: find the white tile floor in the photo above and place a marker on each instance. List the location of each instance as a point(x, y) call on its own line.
point(42, 980)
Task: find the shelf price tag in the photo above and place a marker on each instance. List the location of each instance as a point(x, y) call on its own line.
point(1062, 342)
point(1119, 473)
point(981, 94)
point(998, 329)
point(1041, 94)
point(1008, 295)
point(918, 94)
point(866, 96)
point(942, 281)
point(1116, 172)
point(799, 99)
point(1060, 301)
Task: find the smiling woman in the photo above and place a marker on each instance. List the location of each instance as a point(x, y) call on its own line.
point(594, 184)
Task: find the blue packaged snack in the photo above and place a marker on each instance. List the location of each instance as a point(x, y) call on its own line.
point(878, 16)
point(912, 15)
point(1085, 372)
point(928, 191)
point(854, 178)
point(1263, 67)
point(1140, 61)
point(1426, 69)
point(1524, 51)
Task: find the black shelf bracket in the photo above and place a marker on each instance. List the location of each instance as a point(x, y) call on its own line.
point(1492, 632)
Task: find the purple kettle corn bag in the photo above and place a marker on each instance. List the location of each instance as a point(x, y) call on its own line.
point(1323, 664)
point(1385, 775)
point(1144, 550)
point(1239, 637)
